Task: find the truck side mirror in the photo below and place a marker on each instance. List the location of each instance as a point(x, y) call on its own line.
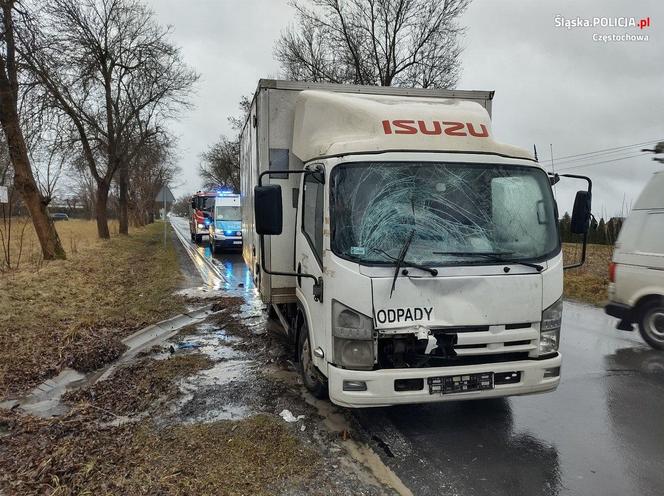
point(581, 213)
point(268, 210)
point(193, 203)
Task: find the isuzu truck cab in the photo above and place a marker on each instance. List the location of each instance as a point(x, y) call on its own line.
point(410, 256)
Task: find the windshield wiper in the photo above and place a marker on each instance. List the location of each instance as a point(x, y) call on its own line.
point(430, 270)
point(494, 257)
point(401, 258)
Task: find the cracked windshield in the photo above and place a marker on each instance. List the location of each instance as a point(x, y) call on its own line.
point(454, 212)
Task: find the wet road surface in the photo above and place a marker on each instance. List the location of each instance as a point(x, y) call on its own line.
point(600, 433)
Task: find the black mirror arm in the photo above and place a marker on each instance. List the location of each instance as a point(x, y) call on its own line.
point(318, 281)
point(585, 235)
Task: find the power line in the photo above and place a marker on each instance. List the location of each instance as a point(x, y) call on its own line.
point(600, 162)
point(605, 151)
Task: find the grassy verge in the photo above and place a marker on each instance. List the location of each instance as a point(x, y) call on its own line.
point(589, 283)
point(21, 246)
point(74, 312)
point(70, 456)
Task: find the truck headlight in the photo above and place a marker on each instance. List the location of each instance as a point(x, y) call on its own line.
point(201, 226)
point(353, 338)
point(550, 328)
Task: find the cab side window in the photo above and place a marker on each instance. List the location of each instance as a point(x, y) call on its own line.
point(312, 214)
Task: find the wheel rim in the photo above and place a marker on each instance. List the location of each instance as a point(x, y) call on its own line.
point(655, 324)
point(307, 363)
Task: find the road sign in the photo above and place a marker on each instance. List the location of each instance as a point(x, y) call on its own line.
point(165, 195)
point(4, 194)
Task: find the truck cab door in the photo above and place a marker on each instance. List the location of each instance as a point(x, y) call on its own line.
point(309, 252)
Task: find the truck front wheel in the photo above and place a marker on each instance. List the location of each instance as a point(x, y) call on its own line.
point(651, 323)
point(310, 375)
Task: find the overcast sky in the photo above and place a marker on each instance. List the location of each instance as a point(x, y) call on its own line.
point(553, 85)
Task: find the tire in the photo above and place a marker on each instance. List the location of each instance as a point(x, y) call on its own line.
point(191, 237)
point(311, 377)
point(213, 247)
point(199, 239)
point(651, 323)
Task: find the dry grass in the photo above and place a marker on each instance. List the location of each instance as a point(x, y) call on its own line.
point(73, 312)
point(73, 456)
point(589, 283)
point(24, 250)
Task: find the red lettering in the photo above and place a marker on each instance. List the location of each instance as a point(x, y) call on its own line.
point(453, 129)
point(436, 128)
point(404, 127)
point(483, 134)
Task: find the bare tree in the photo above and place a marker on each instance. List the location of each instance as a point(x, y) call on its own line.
point(107, 64)
point(24, 180)
point(374, 42)
point(220, 166)
point(152, 168)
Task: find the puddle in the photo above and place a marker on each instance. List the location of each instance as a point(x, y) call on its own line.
point(209, 340)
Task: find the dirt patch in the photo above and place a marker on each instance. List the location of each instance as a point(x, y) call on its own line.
point(92, 348)
point(232, 304)
point(140, 387)
point(68, 456)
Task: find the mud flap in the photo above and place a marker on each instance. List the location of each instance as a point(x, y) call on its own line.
point(625, 325)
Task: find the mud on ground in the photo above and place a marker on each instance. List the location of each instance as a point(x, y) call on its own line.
point(199, 414)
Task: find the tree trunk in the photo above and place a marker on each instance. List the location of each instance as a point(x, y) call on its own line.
point(24, 180)
point(101, 208)
point(123, 201)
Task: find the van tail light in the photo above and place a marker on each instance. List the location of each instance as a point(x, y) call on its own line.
point(612, 271)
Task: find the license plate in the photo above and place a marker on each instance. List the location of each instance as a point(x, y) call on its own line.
point(237, 242)
point(460, 383)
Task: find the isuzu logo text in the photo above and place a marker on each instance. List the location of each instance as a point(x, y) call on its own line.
point(435, 128)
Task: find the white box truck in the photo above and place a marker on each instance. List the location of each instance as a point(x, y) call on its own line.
point(410, 256)
point(636, 273)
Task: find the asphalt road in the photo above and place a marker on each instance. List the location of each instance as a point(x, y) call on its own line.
point(600, 433)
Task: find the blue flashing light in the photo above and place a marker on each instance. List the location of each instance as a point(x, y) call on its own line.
point(206, 221)
point(229, 233)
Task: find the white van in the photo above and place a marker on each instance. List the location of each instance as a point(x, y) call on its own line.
point(226, 226)
point(636, 274)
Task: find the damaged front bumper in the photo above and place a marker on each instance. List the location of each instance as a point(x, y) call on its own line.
point(382, 386)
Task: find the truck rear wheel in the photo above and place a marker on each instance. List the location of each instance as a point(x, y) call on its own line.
point(651, 323)
point(311, 377)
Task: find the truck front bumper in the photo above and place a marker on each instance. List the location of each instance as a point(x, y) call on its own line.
point(380, 384)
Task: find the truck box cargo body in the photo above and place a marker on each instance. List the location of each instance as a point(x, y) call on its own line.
point(410, 256)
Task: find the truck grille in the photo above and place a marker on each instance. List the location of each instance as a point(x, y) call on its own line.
point(461, 346)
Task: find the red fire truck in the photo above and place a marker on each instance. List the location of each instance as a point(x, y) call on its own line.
point(202, 205)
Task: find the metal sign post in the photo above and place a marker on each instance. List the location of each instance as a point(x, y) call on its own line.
point(165, 195)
